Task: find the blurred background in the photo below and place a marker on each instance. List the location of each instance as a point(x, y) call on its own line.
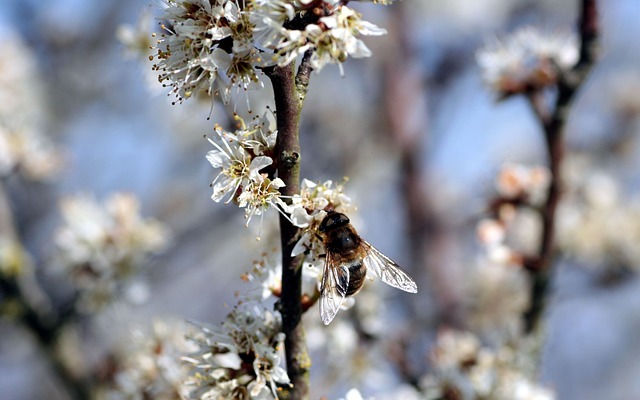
point(420, 137)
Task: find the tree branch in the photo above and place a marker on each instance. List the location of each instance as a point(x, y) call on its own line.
point(47, 333)
point(289, 100)
point(554, 128)
point(45, 327)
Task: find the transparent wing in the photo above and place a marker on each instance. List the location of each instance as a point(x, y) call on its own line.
point(388, 271)
point(335, 281)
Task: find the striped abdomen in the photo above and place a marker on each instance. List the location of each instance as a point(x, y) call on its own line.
point(357, 273)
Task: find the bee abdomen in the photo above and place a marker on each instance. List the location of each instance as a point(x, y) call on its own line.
point(357, 273)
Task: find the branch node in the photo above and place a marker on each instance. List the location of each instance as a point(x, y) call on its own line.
point(288, 159)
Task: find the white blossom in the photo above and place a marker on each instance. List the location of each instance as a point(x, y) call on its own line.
point(333, 39)
point(463, 367)
point(266, 275)
point(242, 358)
point(103, 247)
point(217, 45)
point(598, 224)
point(242, 157)
point(207, 45)
point(307, 210)
point(24, 146)
point(260, 194)
point(353, 394)
point(513, 224)
point(527, 59)
point(148, 364)
point(517, 181)
point(236, 168)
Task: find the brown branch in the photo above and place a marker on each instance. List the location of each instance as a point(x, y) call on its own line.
point(554, 128)
point(289, 99)
point(46, 327)
point(47, 332)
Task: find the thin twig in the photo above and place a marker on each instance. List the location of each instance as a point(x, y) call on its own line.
point(554, 127)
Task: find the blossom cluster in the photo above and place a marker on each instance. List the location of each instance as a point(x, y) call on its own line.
point(266, 276)
point(220, 45)
point(246, 174)
point(597, 224)
point(528, 59)
point(102, 247)
point(465, 369)
point(23, 144)
point(519, 188)
point(240, 360)
point(496, 297)
point(243, 157)
point(507, 236)
point(149, 365)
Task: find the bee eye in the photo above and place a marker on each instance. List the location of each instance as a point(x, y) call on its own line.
point(333, 220)
point(326, 223)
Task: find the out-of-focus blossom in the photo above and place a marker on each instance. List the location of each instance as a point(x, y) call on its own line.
point(528, 59)
point(14, 260)
point(240, 360)
point(23, 145)
point(491, 231)
point(464, 369)
point(149, 365)
point(623, 90)
point(498, 296)
point(517, 181)
point(139, 44)
point(511, 231)
point(103, 247)
point(356, 348)
point(597, 224)
point(137, 39)
point(354, 394)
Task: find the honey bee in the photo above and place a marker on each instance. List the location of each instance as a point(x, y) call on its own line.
point(348, 258)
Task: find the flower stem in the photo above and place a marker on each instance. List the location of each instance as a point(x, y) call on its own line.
point(554, 127)
point(289, 92)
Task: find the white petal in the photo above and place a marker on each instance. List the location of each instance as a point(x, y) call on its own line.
point(216, 158)
point(258, 163)
point(299, 217)
point(367, 28)
point(302, 245)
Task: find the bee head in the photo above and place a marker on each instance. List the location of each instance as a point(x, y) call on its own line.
point(333, 220)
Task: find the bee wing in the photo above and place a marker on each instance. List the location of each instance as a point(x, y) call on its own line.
point(335, 281)
point(387, 270)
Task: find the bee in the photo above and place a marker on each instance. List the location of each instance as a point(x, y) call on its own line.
point(348, 258)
